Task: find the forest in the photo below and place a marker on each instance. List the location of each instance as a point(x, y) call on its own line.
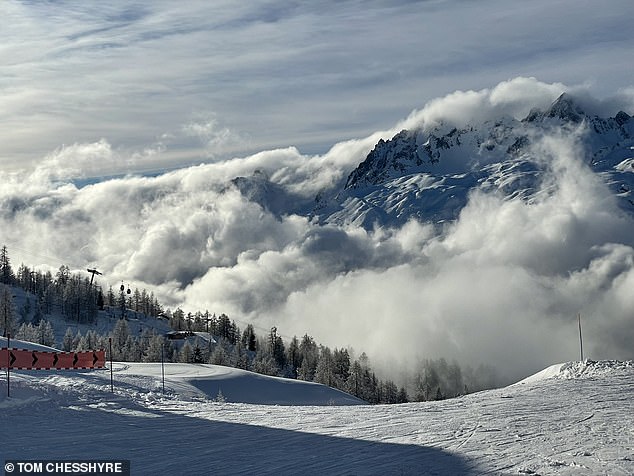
point(204, 337)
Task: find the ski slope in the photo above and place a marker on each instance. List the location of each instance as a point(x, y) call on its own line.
point(570, 419)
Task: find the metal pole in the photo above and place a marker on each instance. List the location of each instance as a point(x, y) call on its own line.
point(8, 363)
point(163, 366)
point(111, 377)
point(580, 336)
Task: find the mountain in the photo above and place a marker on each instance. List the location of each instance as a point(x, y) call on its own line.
point(429, 172)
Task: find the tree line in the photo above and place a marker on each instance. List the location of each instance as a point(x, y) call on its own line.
point(70, 294)
point(79, 300)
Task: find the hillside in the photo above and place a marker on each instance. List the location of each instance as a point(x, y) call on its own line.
point(574, 419)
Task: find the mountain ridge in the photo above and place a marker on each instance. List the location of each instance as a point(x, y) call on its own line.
point(427, 173)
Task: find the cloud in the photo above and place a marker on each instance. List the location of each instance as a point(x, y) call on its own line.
point(514, 98)
point(502, 285)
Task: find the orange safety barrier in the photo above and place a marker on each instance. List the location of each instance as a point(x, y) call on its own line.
point(21, 359)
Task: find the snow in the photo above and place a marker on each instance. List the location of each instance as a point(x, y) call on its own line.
point(21, 344)
point(570, 419)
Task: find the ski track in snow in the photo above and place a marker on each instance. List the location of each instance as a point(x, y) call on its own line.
point(574, 419)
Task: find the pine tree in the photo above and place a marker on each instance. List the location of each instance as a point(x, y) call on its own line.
point(46, 336)
point(154, 350)
point(402, 396)
point(264, 363)
point(341, 367)
point(186, 353)
point(197, 357)
point(309, 357)
point(7, 311)
point(354, 384)
point(249, 338)
point(219, 356)
point(6, 272)
point(27, 333)
point(120, 335)
point(325, 370)
point(67, 342)
point(293, 357)
point(239, 357)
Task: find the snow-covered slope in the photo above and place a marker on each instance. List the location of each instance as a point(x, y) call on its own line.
point(428, 173)
point(21, 344)
point(191, 381)
point(578, 423)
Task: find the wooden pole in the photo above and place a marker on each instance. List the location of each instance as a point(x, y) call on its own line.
point(580, 336)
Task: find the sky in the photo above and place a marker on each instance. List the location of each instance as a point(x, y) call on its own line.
point(169, 84)
point(302, 93)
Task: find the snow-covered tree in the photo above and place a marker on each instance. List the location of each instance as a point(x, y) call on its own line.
point(67, 341)
point(186, 353)
point(154, 349)
point(309, 356)
point(27, 332)
point(325, 370)
point(46, 336)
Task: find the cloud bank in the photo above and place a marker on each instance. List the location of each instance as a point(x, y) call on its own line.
point(502, 285)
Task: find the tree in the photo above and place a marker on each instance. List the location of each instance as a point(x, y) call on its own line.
point(264, 363)
point(293, 357)
point(276, 348)
point(219, 356)
point(341, 367)
point(46, 336)
point(325, 370)
point(6, 272)
point(7, 311)
point(309, 356)
point(154, 350)
point(427, 381)
point(249, 338)
point(239, 357)
point(120, 335)
point(67, 341)
point(27, 332)
point(197, 356)
point(354, 384)
point(186, 353)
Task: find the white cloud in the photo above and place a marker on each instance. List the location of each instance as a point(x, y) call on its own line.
point(502, 285)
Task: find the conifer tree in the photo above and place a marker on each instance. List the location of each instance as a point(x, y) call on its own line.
point(67, 341)
point(186, 353)
point(325, 370)
point(6, 272)
point(46, 336)
point(7, 311)
point(154, 350)
point(249, 338)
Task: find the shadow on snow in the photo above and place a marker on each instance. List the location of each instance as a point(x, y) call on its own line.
point(158, 442)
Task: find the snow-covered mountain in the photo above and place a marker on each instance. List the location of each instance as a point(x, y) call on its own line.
point(427, 173)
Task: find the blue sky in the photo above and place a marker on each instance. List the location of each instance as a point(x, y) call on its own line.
point(167, 84)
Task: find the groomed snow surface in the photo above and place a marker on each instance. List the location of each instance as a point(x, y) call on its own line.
point(570, 419)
